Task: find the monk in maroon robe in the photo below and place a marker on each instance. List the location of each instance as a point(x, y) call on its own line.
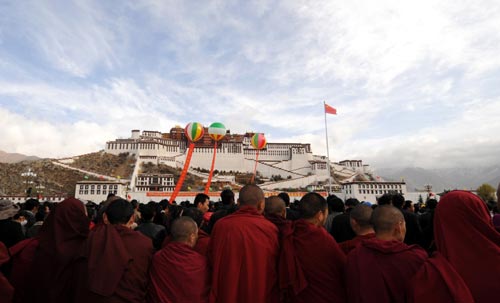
point(116, 259)
point(466, 237)
point(22, 258)
point(275, 212)
point(243, 253)
point(361, 225)
point(437, 282)
point(380, 269)
point(6, 289)
point(311, 262)
point(201, 246)
point(61, 239)
point(178, 273)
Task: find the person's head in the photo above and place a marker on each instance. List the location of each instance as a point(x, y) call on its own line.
point(32, 205)
point(7, 209)
point(40, 216)
point(388, 223)
point(285, 197)
point(184, 230)
point(431, 204)
point(252, 195)
point(135, 204)
point(335, 204)
point(20, 218)
point(147, 211)
point(409, 206)
point(313, 208)
point(398, 201)
point(360, 217)
point(202, 202)
point(275, 206)
point(119, 212)
point(195, 214)
point(164, 204)
point(351, 202)
point(227, 197)
point(385, 199)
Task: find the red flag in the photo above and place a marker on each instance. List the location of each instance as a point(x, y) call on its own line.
point(330, 110)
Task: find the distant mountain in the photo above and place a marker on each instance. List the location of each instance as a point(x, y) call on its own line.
point(445, 178)
point(14, 157)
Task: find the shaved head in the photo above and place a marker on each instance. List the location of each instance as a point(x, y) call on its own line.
point(251, 195)
point(362, 215)
point(183, 228)
point(311, 204)
point(274, 206)
point(385, 218)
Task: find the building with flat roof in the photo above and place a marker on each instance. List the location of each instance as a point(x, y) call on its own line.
point(97, 191)
point(371, 190)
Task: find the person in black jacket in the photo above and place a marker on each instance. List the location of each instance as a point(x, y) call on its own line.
point(11, 231)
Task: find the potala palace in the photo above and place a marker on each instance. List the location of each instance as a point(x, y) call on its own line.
point(293, 162)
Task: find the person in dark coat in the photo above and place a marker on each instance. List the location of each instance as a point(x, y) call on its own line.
point(11, 231)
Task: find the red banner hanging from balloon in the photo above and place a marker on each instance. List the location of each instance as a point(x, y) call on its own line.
point(178, 186)
point(255, 168)
point(209, 181)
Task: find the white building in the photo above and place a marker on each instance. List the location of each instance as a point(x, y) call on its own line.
point(234, 153)
point(370, 190)
point(97, 191)
point(155, 182)
point(22, 199)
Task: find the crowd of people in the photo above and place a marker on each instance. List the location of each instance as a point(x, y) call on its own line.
point(253, 250)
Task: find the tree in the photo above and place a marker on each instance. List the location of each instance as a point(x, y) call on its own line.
point(486, 192)
point(420, 200)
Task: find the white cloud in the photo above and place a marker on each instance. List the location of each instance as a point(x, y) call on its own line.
point(401, 74)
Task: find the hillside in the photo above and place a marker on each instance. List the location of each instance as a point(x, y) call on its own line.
point(50, 179)
point(15, 158)
point(121, 166)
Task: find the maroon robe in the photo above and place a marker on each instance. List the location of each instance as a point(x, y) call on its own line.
point(466, 237)
point(438, 282)
point(243, 253)
point(179, 274)
point(380, 271)
point(61, 239)
point(114, 267)
point(201, 246)
point(311, 265)
point(349, 245)
point(23, 256)
point(6, 289)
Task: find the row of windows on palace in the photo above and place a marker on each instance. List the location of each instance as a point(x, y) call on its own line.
point(377, 186)
point(374, 191)
point(96, 189)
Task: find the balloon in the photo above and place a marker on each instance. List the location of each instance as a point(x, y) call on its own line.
point(258, 141)
point(194, 131)
point(217, 131)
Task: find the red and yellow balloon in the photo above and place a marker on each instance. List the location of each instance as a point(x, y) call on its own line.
point(194, 131)
point(216, 131)
point(258, 142)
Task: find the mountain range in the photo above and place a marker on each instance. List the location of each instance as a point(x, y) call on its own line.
point(6, 157)
point(443, 178)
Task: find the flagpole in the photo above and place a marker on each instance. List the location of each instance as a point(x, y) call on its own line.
point(327, 151)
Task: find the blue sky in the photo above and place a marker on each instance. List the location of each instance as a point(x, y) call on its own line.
point(414, 83)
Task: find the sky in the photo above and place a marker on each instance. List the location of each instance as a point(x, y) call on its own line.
point(415, 83)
